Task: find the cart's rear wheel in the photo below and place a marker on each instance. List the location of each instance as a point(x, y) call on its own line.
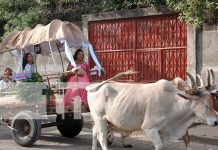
point(71, 127)
point(27, 127)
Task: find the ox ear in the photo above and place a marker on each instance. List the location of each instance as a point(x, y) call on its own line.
point(188, 96)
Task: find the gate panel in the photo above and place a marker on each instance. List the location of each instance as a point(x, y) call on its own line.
point(112, 35)
point(148, 65)
point(173, 64)
point(166, 36)
point(155, 46)
point(113, 42)
point(115, 63)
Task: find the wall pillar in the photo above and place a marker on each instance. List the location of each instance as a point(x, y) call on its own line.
point(191, 50)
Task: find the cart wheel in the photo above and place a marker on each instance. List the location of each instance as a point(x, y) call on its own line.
point(27, 127)
point(71, 127)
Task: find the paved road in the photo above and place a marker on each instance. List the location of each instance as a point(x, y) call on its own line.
point(203, 138)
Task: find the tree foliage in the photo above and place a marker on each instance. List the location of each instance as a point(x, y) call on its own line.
point(18, 14)
point(72, 10)
point(113, 5)
point(194, 12)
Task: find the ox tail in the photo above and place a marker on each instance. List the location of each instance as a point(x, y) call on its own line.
point(90, 88)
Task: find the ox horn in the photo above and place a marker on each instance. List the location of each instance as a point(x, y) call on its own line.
point(208, 78)
point(201, 81)
point(192, 79)
point(194, 85)
point(213, 77)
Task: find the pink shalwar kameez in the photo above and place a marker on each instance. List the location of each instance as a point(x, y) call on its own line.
point(76, 86)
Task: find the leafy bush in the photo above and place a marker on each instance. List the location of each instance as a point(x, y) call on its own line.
point(33, 89)
point(63, 78)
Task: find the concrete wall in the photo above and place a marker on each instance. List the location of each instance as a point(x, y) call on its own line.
point(207, 49)
point(191, 50)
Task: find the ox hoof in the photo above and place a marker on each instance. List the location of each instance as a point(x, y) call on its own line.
point(189, 148)
point(109, 142)
point(127, 146)
point(110, 139)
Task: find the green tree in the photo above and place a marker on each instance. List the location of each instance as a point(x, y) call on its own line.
point(72, 10)
point(111, 5)
point(18, 14)
point(194, 12)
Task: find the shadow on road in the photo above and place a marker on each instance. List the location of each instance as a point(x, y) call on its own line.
point(204, 140)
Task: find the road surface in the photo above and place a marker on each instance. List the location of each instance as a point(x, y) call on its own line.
point(203, 138)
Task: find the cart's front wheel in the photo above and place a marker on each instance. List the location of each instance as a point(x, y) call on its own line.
point(27, 128)
point(71, 127)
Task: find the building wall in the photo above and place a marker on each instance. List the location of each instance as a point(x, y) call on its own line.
point(207, 50)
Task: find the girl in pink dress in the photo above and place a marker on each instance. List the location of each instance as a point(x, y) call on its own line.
point(78, 80)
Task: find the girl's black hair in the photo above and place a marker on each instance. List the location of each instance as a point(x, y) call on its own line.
point(8, 68)
point(25, 59)
point(76, 53)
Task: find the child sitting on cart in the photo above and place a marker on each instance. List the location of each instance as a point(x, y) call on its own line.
point(6, 79)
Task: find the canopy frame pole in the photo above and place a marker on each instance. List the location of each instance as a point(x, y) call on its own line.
point(44, 64)
point(52, 54)
point(36, 65)
point(20, 63)
point(60, 57)
point(35, 59)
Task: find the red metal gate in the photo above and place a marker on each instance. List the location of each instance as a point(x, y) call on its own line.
point(155, 45)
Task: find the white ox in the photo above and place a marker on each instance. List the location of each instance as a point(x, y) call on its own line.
point(151, 108)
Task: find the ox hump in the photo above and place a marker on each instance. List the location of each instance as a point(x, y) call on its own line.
point(166, 85)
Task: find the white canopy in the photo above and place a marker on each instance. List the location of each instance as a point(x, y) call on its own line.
point(47, 38)
point(56, 30)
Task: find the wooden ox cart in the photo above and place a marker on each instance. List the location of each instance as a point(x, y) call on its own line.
point(27, 120)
